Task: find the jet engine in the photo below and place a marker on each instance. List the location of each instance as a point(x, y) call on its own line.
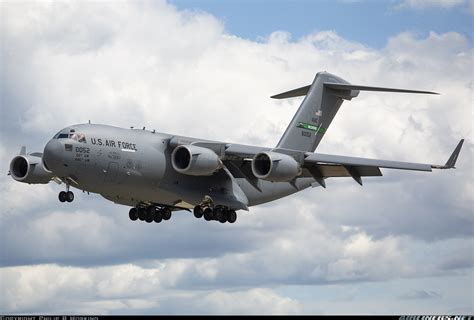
point(195, 161)
point(273, 166)
point(30, 169)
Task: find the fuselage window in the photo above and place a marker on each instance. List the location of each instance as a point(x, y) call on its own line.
point(63, 136)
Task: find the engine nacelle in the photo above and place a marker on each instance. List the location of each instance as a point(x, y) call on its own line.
point(29, 169)
point(195, 161)
point(273, 166)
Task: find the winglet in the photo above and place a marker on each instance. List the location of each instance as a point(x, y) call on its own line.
point(450, 164)
point(454, 156)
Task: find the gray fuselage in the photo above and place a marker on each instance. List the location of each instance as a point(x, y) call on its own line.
point(132, 166)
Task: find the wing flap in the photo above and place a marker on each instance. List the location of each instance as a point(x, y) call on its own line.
point(334, 170)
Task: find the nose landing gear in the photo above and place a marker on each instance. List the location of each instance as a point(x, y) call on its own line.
point(66, 196)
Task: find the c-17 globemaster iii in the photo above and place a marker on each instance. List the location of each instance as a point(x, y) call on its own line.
point(157, 173)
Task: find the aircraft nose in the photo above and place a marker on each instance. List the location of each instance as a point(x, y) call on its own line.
point(52, 154)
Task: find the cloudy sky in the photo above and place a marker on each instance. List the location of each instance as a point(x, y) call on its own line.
point(403, 243)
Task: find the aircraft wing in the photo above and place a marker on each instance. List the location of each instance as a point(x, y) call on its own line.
point(322, 166)
point(237, 158)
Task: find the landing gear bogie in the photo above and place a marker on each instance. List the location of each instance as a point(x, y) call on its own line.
point(218, 213)
point(154, 213)
point(150, 213)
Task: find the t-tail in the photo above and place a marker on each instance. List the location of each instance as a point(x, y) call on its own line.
point(319, 107)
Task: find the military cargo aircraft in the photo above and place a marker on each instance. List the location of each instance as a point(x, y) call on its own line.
point(157, 173)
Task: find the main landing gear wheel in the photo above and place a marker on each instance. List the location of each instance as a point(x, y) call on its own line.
point(208, 216)
point(150, 214)
point(132, 214)
point(198, 213)
point(231, 216)
point(219, 214)
point(158, 217)
point(141, 213)
point(166, 213)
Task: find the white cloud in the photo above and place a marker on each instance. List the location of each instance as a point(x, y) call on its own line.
point(180, 72)
point(21, 197)
point(254, 301)
point(50, 287)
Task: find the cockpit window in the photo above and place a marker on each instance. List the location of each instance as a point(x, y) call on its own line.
point(79, 137)
point(71, 134)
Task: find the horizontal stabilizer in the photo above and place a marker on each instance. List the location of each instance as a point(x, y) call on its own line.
point(342, 86)
point(292, 93)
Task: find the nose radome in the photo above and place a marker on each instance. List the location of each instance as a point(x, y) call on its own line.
point(52, 154)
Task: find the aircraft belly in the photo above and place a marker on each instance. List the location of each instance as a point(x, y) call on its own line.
point(126, 196)
point(192, 189)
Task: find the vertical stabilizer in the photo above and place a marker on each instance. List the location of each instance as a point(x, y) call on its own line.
point(315, 113)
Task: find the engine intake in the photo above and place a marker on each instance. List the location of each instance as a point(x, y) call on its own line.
point(273, 166)
point(29, 169)
point(195, 161)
